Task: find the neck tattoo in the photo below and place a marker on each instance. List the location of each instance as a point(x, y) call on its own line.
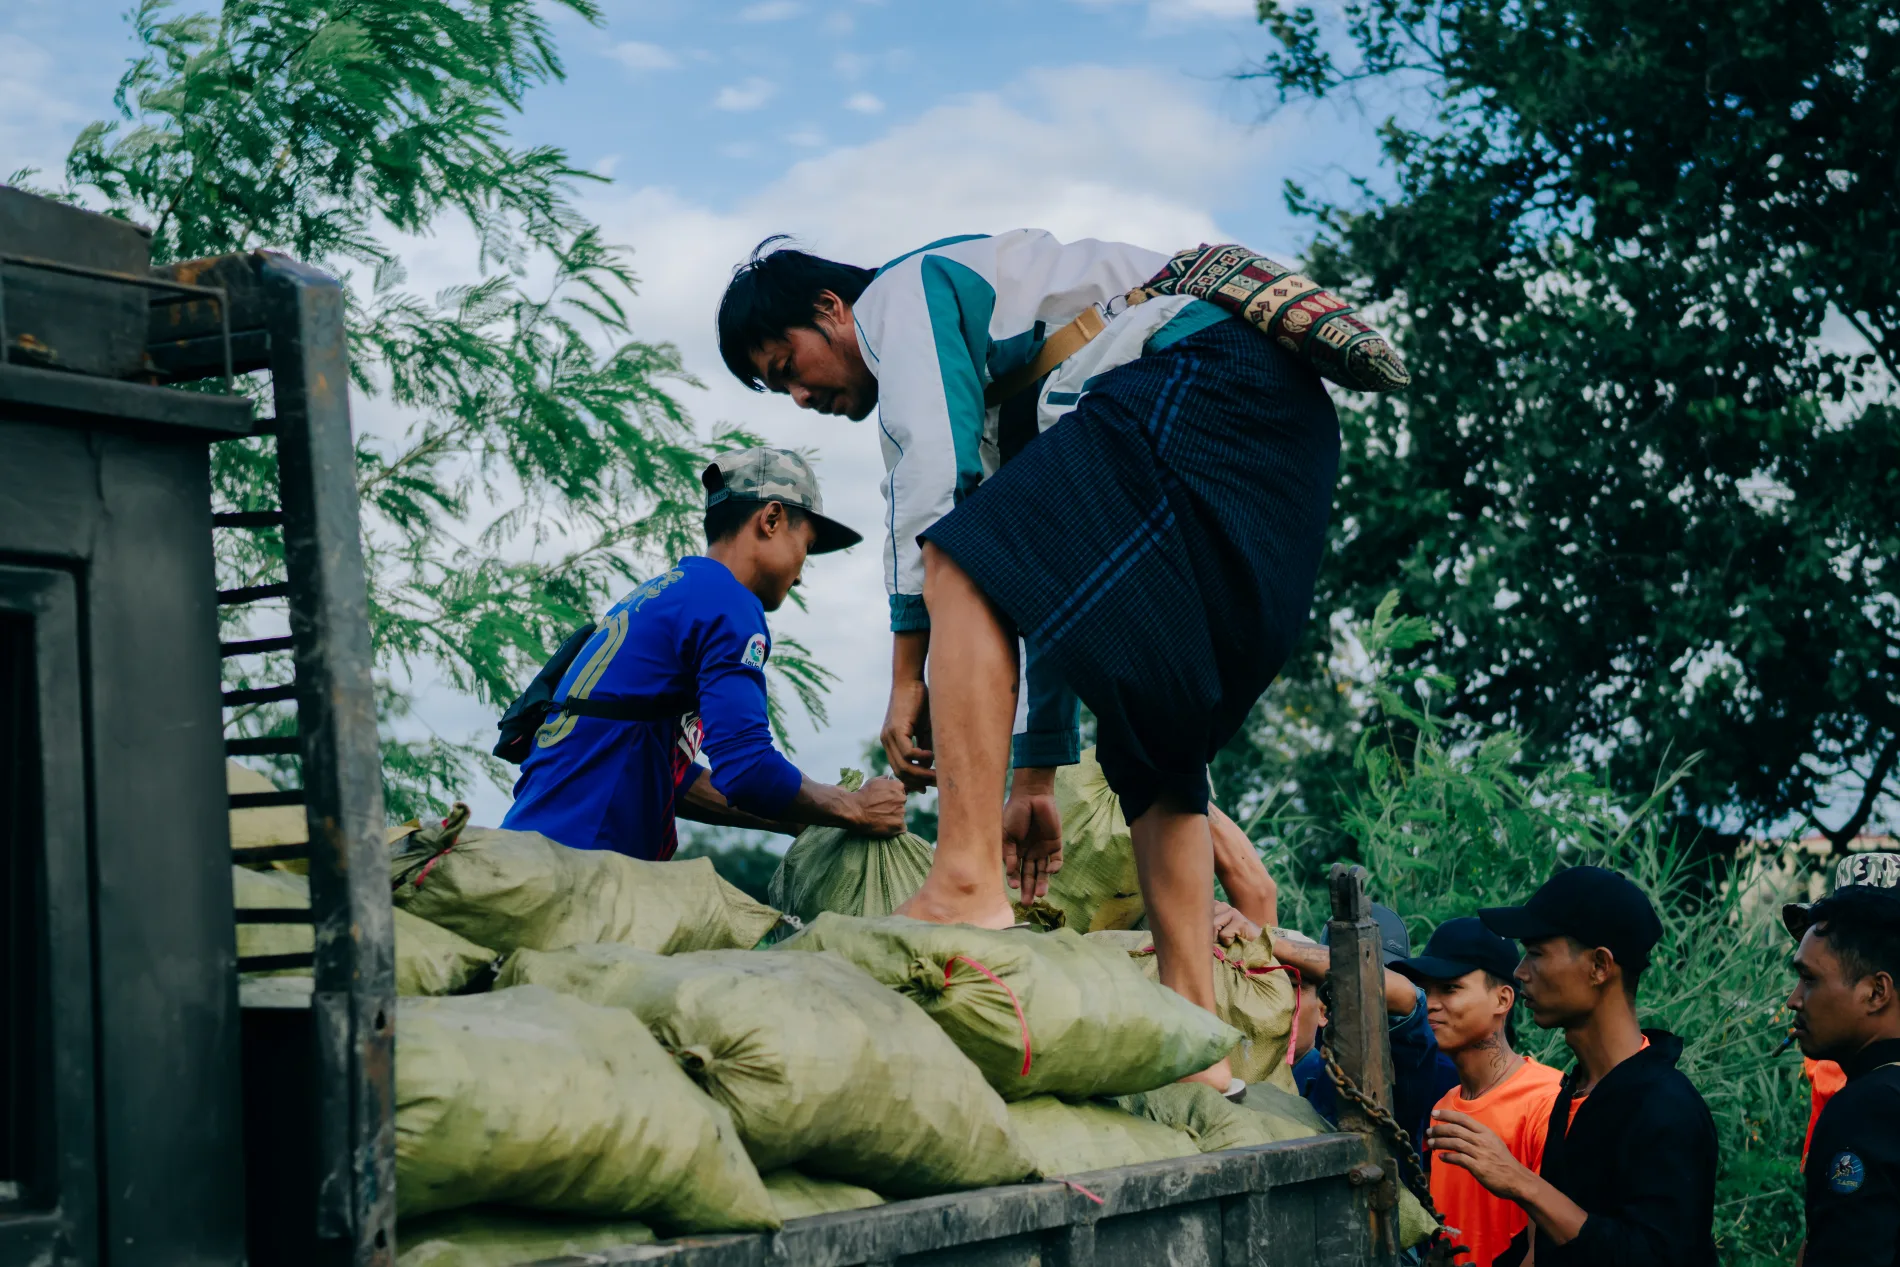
point(1501, 1063)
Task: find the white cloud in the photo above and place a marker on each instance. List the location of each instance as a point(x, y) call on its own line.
point(864, 103)
point(638, 55)
point(1179, 13)
point(749, 95)
point(840, 23)
point(807, 137)
point(771, 11)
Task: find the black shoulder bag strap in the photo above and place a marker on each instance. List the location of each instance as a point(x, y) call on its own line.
point(537, 704)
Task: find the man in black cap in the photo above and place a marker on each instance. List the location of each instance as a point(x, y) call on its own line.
point(1420, 1072)
point(1846, 1007)
point(1470, 995)
point(1628, 1174)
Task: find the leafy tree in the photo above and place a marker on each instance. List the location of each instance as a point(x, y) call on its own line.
point(1642, 261)
point(544, 461)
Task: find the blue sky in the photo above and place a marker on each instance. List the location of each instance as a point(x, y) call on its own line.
point(863, 128)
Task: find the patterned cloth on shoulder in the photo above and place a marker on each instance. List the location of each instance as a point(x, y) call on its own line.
point(1294, 311)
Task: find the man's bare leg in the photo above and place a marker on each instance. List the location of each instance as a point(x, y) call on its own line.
point(972, 709)
point(1174, 860)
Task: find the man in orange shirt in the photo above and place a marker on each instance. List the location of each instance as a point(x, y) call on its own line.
point(1466, 971)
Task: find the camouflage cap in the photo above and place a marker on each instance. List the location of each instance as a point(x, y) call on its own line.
point(1857, 877)
point(776, 475)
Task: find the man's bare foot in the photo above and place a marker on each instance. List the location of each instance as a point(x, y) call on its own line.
point(985, 910)
point(1219, 1076)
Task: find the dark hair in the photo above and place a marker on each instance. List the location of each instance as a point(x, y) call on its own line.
point(1865, 943)
point(775, 291)
point(1632, 972)
point(1510, 1018)
point(734, 513)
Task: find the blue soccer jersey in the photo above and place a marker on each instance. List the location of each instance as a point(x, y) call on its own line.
point(694, 639)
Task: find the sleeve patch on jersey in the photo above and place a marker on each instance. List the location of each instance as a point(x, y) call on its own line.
point(755, 652)
point(1846, 1174)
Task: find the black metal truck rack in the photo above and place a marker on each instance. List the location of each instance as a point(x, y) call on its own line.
point(152, 1112)
point(127, 1104)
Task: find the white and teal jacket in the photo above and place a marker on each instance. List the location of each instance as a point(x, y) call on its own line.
point(938, 325)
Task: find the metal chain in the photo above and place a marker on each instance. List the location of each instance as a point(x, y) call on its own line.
point(1403, 1149)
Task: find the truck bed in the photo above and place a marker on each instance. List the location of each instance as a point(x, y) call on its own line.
point(1290, 1204)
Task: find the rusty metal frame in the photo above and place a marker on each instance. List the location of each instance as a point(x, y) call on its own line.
point(334, 1083)
point(123, 279)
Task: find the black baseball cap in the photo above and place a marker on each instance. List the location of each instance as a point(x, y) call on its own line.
point(1460, 946)
point(1395, 943)
point(1595, 905)
point(1875, 903)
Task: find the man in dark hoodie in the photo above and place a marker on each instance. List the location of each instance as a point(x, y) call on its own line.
point(1628, 1174)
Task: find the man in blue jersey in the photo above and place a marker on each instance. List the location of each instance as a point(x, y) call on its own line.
point(1138, 491)
point(677, 667)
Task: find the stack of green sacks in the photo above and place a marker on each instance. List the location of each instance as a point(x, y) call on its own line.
point(819, 1066)
point(513, 889)
point(831, 869)
point(528, 1098)
point(429, 959)
point(1038, 1013)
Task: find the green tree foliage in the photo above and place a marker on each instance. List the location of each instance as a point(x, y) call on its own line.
point(542, 462)
point(1448, 817)
point(1641, 260)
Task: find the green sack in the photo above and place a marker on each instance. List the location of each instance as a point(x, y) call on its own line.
point(797, 1196)
point(1251, 993)
point(1416, 1225)
point(1096, 887)
point(819, 1065)
point(1071, 1139)
point(1206, 1116)
point(514, 889)
point(429, 959)
point(1289, 1116)
point(831, 869)
point(525, 1097)
point(1094, 1024)
point(1267, 1116)
point(488, 1236)
point(432, 960)
point(273, 890)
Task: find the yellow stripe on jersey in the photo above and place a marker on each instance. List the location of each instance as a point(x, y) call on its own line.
point(553, 732)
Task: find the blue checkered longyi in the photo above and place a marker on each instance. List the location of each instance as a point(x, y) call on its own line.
point(1160, 544)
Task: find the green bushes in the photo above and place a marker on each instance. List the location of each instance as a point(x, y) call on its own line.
point(1447, 817)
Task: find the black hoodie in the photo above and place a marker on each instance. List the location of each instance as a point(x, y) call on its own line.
point(1640, 1160)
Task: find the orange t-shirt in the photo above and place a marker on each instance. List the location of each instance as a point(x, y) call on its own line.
point(1518, 1109)
point(1825, 1077)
